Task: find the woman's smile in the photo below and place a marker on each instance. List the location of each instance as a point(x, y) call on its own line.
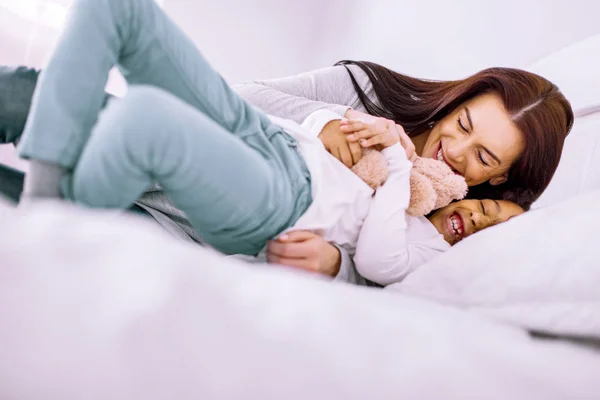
point(439, 155)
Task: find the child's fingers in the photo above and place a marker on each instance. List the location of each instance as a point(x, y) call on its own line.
point(361, 135)
point(346, 156)
point(356, 150)
point(349, 126)
point(374, 141)
point(407, 143)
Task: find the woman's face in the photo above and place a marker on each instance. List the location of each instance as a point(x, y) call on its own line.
point(463, 218)
point(478, 140)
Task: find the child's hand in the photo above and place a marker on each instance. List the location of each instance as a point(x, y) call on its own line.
point(373, 131)
point(337, 144)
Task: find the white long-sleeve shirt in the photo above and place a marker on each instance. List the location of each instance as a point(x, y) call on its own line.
point(371, 226)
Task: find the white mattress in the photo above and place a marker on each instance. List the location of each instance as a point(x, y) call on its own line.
point(98, 307)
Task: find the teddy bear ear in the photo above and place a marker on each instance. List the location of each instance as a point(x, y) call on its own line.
point(422, 195)
point(452, 188)
point(432, 168)
point(420, 163)
point(460, 187)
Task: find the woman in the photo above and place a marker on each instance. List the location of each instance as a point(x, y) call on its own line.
point(428, 112)
point(521, 118)
point(60, 125)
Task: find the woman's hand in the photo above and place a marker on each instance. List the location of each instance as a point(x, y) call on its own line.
point(370, 131)
point(335, 142)
point(305, 250)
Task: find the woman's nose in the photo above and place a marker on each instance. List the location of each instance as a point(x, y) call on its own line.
point(456, 150)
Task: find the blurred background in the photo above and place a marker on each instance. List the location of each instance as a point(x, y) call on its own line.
point(251, 39)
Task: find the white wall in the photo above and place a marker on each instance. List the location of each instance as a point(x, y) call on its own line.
point(430, 38)
point(246, 39)
point(451, 38)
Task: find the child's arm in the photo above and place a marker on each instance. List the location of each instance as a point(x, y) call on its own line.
point(382, 253)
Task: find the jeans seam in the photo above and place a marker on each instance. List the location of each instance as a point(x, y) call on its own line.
point(181, 73)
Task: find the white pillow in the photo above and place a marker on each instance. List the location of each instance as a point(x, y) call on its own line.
point(579, 168)
point(540, 270)
point(576, 71)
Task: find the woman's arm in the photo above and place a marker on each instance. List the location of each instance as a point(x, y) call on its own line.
point(382, 254)
point(298, 96)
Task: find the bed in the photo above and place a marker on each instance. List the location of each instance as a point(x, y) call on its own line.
point(99, 305)
point(107, 306)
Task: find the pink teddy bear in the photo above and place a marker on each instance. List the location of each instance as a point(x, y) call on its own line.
point(433, 184)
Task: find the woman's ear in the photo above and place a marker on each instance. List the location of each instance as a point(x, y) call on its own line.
point(499, 180)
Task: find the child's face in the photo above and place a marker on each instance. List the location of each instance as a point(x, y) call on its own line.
point(458, 220)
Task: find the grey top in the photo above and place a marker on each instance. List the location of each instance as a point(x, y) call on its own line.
point(293, 98)
point(298, 96)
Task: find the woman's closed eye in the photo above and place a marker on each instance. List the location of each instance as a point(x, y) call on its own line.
point(481, 159)
point(462, 126)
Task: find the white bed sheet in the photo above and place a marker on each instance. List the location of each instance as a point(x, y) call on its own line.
point(98, 307)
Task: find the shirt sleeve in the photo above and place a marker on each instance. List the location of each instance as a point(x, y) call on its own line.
point(347, 272)
point(298, 96)
point(382, 253)
point(316, 121)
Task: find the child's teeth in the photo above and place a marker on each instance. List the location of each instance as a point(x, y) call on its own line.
point(455, 227)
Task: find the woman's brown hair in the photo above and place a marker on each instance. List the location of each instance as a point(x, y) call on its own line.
point(537, 107)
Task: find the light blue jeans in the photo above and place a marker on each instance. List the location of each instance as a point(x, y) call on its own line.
point(237, 176)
